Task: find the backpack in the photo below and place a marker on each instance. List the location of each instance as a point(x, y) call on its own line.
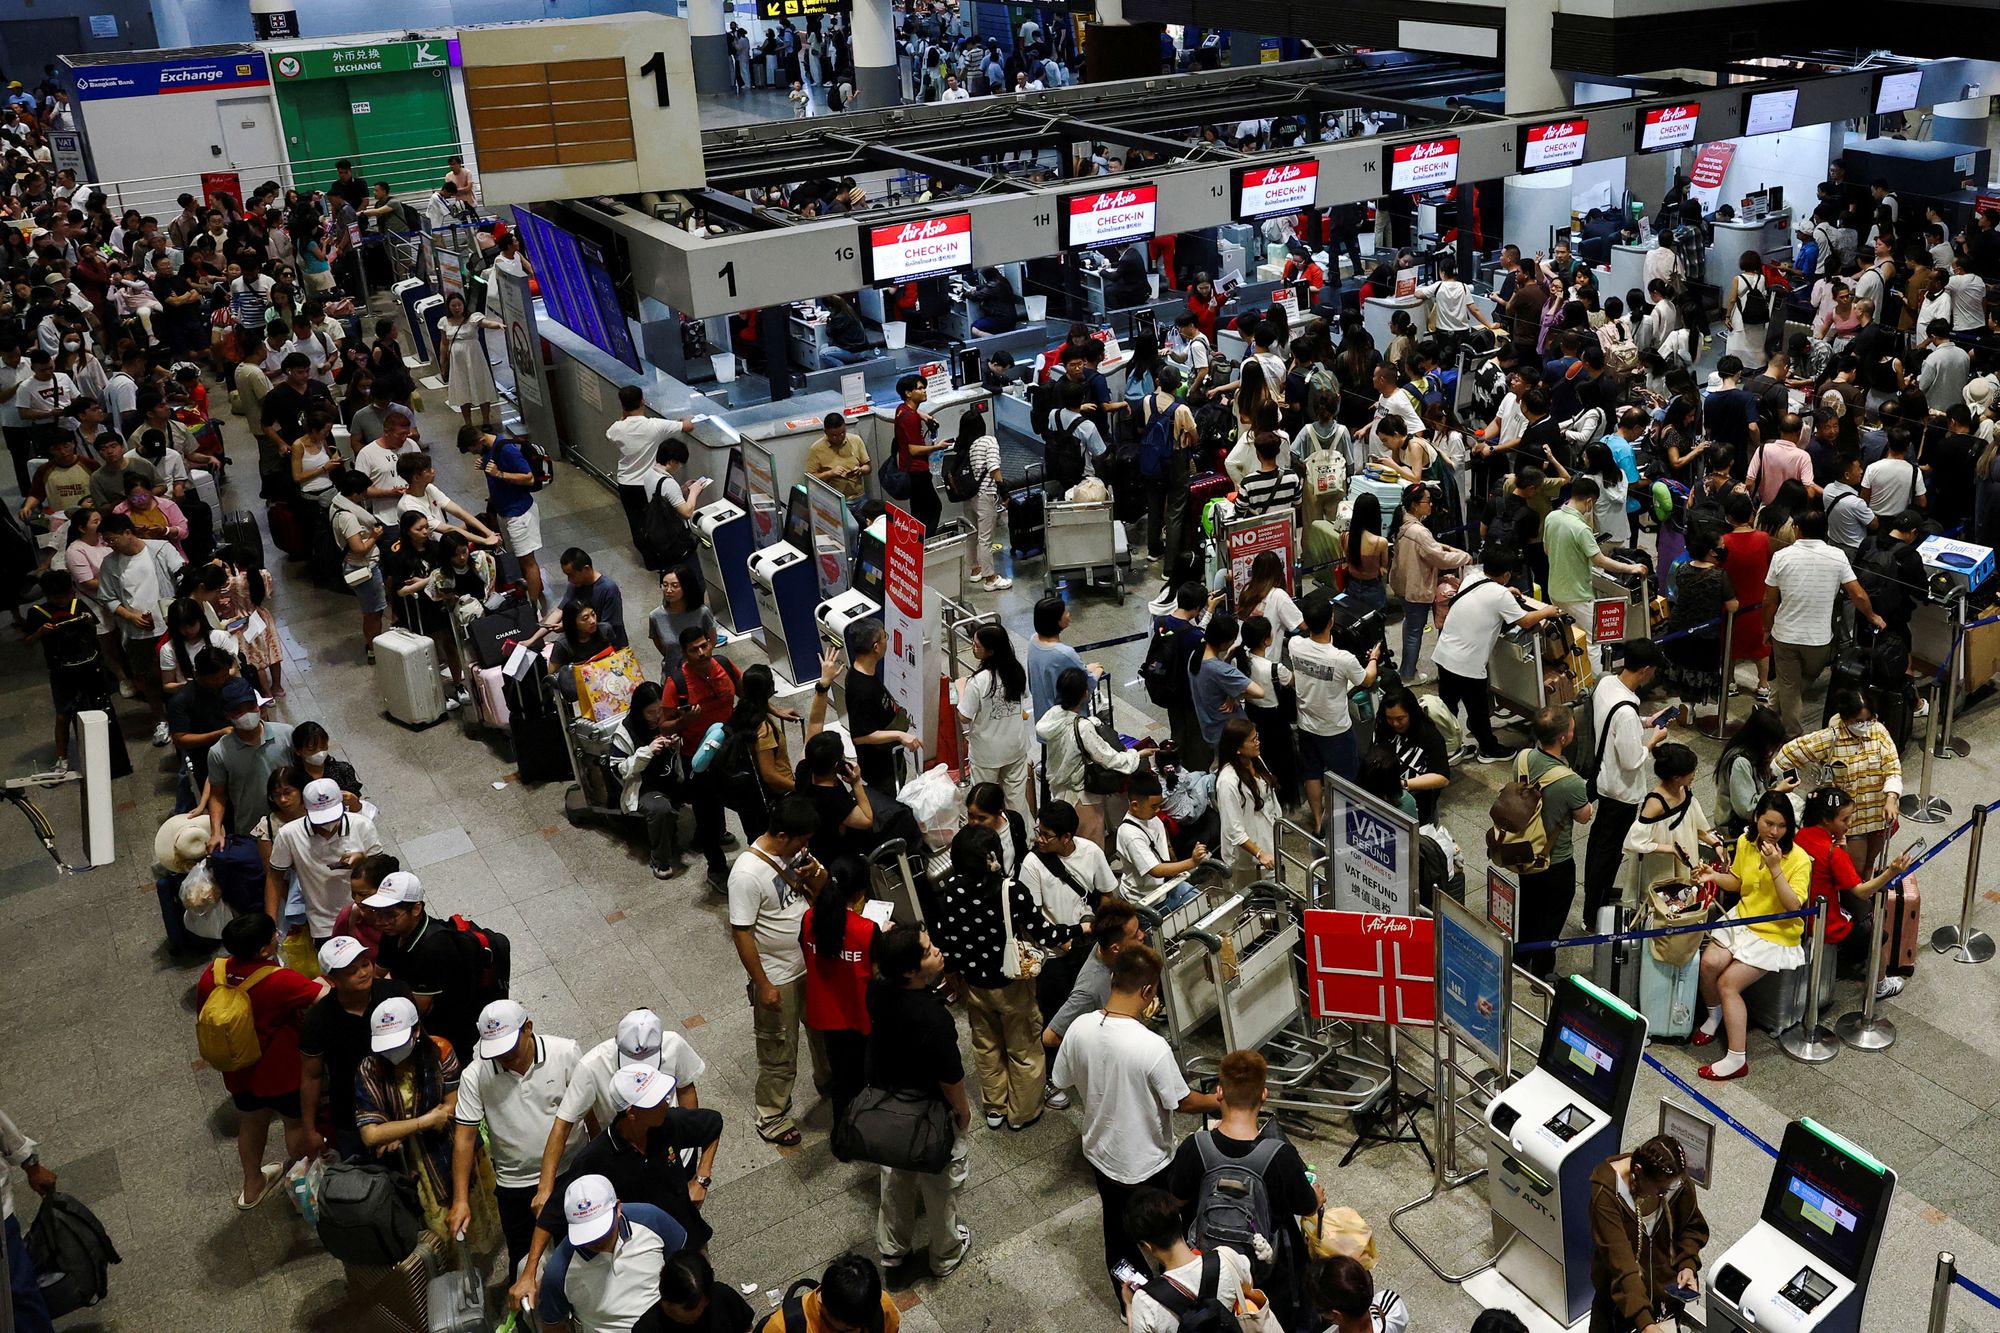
point(1232, 1203)
point(1755, 303)
point(1156, 443)
point(1166, 668)
point(73, 1254)
point(1041, 402)
point(1519, 838)
point(1875, 568)
point(1062, 452)
point(540, 465)
point(1444, 717)
point(665, 540)
point(1200, 1311)
point(368, 1215)
point(493, 961)
point(794, 1305)
point(955, 470)
point(225, 1031)
point(1594, 756)
point(1097, 779)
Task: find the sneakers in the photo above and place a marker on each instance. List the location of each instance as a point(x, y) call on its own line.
point(1923, 709)
point(125, 690)
point(1055, 1097)
point(997, 584)
point(160, 735)
point(996, 1119)
point(454, 701)
point(1889, 987)
point(891, 1262)
point(1493, 756)
point(1421, 678)
point(62, 766)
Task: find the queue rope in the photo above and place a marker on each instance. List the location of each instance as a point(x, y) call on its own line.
point(1961, 1280)
point(1579, 941)
point(1707, 1104)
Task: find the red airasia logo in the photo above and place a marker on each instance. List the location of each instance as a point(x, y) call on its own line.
point(1119, 199)
point(1559, 130)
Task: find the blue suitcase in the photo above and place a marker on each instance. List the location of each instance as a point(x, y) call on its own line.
point(1667, 995)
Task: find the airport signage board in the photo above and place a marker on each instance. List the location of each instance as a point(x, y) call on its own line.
point(919, 248)
point(1428, 164)
point(1558, 143)
point(1111, 216)
point(1281, 187)
point(1664, 127)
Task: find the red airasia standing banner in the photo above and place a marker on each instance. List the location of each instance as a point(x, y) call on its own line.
point(903, 611)
point(1368, 967)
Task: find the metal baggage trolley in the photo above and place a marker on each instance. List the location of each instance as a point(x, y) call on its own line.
point(1085, 539)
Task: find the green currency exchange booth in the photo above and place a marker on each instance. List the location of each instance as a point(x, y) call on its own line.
point(387, 105)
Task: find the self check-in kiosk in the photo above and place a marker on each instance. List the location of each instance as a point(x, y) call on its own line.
point(724, 539)
point(1804, 1267)
point(787, 591)
point(1549, 1131)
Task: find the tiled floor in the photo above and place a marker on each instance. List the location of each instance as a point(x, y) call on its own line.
point(97, 1056)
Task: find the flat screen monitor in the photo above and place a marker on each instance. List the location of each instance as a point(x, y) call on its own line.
point(577, 287)
point(1771, 112)
point(1590, 1045)
point(1552, 144)
point(798, 520)
point(1829, 1196)
point(919, 248)
point(1427, 164)
point(1664, 127)
point(1897, 91)
point(870, 559)
point(1275, 189)
point(1110, 216)
point(736, 482)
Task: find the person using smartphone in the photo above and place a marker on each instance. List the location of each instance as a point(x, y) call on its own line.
point(1647, 1234)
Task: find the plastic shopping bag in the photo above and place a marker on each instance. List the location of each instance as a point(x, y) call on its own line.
point(934, 799)
point(302, 1182)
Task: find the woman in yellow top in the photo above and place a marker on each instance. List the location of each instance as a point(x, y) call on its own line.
point(1772, 876)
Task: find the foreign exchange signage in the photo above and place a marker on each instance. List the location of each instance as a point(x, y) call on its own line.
point(338, 62)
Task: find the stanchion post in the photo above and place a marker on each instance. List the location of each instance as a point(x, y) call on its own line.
point(1962, 942)
point(1948, 745)
point(1924, 808)
point(1861, 1029)
point(1720, 726)
point(1811, 1042)
point(1947, 1273)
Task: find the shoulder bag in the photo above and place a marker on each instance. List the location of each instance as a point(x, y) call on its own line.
point(901, 1129)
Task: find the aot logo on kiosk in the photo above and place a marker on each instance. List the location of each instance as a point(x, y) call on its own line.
point(1668, 126)
point(1110, 216)
point(1263, 192)
point(1556, 144)
point(921, 248)
point(1431, 164)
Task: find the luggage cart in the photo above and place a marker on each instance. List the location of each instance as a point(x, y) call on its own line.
point(892, 879)
point(1085, 539)
point(1637, 596)
point(596, 788)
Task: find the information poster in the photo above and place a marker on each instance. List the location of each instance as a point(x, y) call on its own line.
point(1711, 164)
point(1472, 964)
point(66, 148)
point(829, 537)
point(1696, 1134)
point(766, 514)
point(1251, 537)
point(1368, 967)
point(1374, 851)
point(903, 612)
point(1502, 898)
point(1608, 619)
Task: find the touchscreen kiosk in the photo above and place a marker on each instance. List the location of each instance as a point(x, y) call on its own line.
point(1805, 1266)
point(798, 518)
point(1548, 1132)
point(871, 558)
point(786, 585)
point(723, 543)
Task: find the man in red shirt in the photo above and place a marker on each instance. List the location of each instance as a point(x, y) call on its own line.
point(699, 693)
point(279, 998)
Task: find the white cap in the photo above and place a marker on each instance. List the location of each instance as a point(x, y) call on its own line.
point(641, 1086)
point(590, 1206)
point(398, 887)
point(500, 1027)
point(324, 803)
point(392, 1025)
point(640, 1038)
point(340, 951)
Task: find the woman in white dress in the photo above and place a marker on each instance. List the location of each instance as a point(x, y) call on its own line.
point(468, 375)
point(1746, 340)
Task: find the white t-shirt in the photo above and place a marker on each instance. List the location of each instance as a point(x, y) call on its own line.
point(1061, 901)
point(10, 411)
point(217, 638)
point(430, 504)
point(1889, 483)
point(1149, 1316)
point(590, 1082)
point(1452, 302)
point(1476, 621)
point(1142, 845)
point(1323, 675)
point(324, 884)
point(378, 462)
point(1284, 615)
point(1130, 1084)
point(639, 440)
point(519, 1109)
point(1968, 301)
point(996, 726)
point(772, 911)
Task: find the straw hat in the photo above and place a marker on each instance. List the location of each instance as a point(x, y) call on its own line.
point(180, 843)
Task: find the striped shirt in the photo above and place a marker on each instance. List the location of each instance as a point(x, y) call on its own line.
point(1276, 489)
point(1810, 575)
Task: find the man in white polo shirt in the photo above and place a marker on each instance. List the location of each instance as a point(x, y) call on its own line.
point(641, 1040)
point(1804, 582)
point(606, 1274)
point(514, 1087)
point(640, 470)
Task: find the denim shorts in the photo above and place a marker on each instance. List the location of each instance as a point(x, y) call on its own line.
point(374, 594)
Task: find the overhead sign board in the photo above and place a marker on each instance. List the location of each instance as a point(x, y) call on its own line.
point(339, 62)
point(1281, 187)
point(792, 9)
point(1770, 113)
point(1664, 127)
point(1110, 216)
point(1897, 91)
point(151, 78)
point(1428, 164)
point(1558, 143)
point(920, 248)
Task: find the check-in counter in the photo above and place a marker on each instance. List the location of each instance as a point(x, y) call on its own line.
point(1628, 270)
point(1771, 237)
point(807, 339)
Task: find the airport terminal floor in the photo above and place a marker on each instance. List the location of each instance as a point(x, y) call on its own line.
point(98, 1061)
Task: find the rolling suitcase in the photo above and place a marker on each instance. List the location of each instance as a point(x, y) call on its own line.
point(1027, 512)
point(202, 484)
point(239, 528)
point(406, 673)
point(456, 1299)
point(288, 529)
point(535, 721)
point(1905, 931)
point(199, 544)
point(1667, 995)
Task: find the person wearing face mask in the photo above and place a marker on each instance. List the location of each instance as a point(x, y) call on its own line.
point(1647, 1234)
point(154, 516)
point(321, 850)
point(240, 765)
point(1860, 751)
point(1131, 1085)
point(315, 756)
point(405, 1099)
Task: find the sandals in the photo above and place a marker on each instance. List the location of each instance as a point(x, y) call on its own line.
point(789, 1139)
point(272, 1170)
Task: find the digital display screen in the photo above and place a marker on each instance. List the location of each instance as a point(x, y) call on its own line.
point(1110, 216)
point(1559, 143)
point(921, 248)
point(578, 291)
point(1583, 1047)
point(1430, 164)
point(1770, 113)
point(1284, 187)
point(1820, 1214)
point(1829, 1200)
point(1664, 127)
point(736, 482)
point(798, 519)
point(1898, 91)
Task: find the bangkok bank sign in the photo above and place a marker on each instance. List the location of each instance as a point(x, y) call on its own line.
point(921, 248)
point(1105, 217)
point(1429, 165)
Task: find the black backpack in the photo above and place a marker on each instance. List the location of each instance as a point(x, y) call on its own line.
point(1202, 1310)
point(1165, 670)
point(794, 1305)
point(1062, 452)
point(492, 957)
point(665, 540)
point(369, 1215)
point(956, 472)
point(1875, 569)
point(1755, 303)
point(72, 1253)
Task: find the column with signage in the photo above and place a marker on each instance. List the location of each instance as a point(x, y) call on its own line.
point(386, 105)
point(877, 81)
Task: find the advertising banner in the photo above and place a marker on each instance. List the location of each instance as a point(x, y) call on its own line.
point(1711, 164)
point(1374, 851)
point(903, 612)
point(1472, 964)
point(1369, 967)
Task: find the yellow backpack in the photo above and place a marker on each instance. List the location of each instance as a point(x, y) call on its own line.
point(225, 1031)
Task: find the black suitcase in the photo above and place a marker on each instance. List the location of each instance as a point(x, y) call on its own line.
point(493, 635)
point(200, 541)
point(239, 528)
point(1027, 510)
point(323, 558)
point(535, 722)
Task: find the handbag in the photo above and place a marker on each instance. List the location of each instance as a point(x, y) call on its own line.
point(902, 1130)
point(1673, 950)
point(895, 482)
point(1018, 958)
point(1097, 779)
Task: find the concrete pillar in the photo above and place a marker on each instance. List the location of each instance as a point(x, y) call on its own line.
point(1960, 122)
point(877, 81)
point(708, 40)
point(1529, 51)
point(274, 20)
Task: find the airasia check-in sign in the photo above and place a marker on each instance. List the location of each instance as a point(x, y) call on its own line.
point(921, 248)
point(1668, 126)
point(1430, 164)
point(1372, 967)
point(1556, 144)
point(1285, 187)
point(1110, 217)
